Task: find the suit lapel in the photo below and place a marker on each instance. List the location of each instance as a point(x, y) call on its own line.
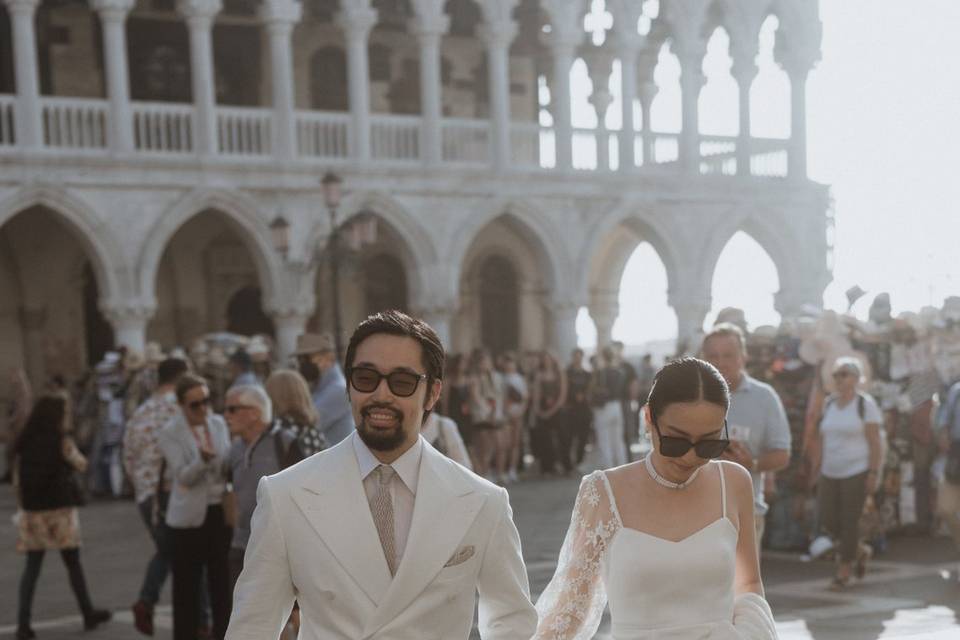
point(334, 503)
point(443, 512)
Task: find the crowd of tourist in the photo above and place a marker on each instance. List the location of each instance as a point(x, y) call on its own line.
point(850, 430)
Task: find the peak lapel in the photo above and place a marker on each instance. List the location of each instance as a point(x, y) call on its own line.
point(334, 503)
point(442, 514)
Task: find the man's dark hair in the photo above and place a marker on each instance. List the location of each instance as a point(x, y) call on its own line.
point(687, 380)
point(397, 323)
point(170, 370)
point(242, 359)
point(187, 382)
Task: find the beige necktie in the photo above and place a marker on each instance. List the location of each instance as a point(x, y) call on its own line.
point(381, 506)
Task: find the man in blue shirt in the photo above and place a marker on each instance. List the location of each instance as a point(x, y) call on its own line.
point(317, 362)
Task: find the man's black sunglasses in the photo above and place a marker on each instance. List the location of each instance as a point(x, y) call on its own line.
point(196, 405)
point(674, 447)
point(402, 383)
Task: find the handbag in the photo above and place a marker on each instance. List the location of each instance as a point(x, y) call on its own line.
point(952, 470)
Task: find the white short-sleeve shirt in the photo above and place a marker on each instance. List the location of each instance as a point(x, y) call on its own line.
point(846, 452)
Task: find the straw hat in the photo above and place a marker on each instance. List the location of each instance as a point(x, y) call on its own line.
point(309, 343)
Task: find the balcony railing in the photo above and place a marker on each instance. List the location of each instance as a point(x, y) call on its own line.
point(72, 125)
point(466, 141)
point(245, 131)
point(395, 138)
point(7, 137)
point(162, 127)
point(323, 134)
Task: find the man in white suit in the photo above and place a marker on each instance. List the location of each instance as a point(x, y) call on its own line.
point(381, 537)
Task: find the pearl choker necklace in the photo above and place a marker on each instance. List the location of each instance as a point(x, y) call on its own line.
point(663, 482)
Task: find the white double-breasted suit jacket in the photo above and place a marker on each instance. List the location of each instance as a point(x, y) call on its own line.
point(313, 539)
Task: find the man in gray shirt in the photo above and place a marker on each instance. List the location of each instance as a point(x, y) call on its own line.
point(259, 449)
point(759, 431)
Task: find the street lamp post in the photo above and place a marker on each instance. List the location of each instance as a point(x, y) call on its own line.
point(331, 184)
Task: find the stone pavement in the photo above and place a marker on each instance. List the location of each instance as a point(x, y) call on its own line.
point(904, 594)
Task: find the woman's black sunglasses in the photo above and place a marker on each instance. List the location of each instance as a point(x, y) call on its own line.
point(402, 383)
point(674, 447)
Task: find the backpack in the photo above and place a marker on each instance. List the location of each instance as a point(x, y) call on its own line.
point(861, 407)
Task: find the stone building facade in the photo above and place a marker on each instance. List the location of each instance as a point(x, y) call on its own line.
point(146, 148)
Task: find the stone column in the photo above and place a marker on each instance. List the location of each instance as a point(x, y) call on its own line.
point(129, 325)
point(604, 309)
point(440, 317)
point(744, 71)
point(797, 151)
point(600, 66)
point(647, 92)
point(497, 37)
point(29, 121)
point(627, 43)
point(691, 81)
point(113, 17)
point(429, 29)
point(33, 324)
point(290, 325)
point(563, 339)
point(357, 19)
point(200, 15)
point(280, 16)
point(563, 52)
point(691, 312)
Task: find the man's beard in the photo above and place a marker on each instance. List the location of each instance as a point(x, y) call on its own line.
point(381, 439)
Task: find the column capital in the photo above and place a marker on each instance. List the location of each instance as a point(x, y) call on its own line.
point(281, 12)
point(498, 35)
point(21, 6)
point(433, 26)
point(564, 43)
point(112, 9)
point(563, 308)
point(129, 313)
point(356, 21)
point(199, 9)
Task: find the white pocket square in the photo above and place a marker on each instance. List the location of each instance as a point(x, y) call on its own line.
point(462, 555)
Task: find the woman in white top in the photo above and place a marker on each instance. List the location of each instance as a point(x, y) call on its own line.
point(849, 464)
point(442, 433)
point(669, 540)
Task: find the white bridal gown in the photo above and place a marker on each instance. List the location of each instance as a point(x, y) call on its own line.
point(657, 588)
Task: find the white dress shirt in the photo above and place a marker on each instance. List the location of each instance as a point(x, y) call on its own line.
point(403, 485)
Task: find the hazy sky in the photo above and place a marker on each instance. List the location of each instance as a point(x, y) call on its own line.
point(882, 107)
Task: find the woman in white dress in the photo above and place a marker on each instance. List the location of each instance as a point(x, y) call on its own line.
point(668, 541)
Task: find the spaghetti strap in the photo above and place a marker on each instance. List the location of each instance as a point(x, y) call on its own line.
point(723, 489)
point(613, 501)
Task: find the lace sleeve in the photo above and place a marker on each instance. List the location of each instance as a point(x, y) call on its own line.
point(572, 604)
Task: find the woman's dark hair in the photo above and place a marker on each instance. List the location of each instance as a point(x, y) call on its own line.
point(687, 380)
point(44, 425)
point(397, 323)
point(186, 382)
point(170, 370)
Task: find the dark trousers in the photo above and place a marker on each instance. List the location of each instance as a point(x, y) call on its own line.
point(31, 572)
point(551, 443)
point(578, 420)
point(159, 565)
point(193, 549)
point(841, 504)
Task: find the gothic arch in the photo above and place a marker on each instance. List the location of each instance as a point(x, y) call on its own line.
point(766, 228)
point(91, 231)
point(416, 247)
point(642, 221)
point(244, 217)
point(531, 223)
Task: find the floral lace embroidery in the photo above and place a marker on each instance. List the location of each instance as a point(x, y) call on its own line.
point(571, 606)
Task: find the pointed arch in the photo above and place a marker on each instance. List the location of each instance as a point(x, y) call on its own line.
point(763, 226)
point(534, 226)
point(108, 259)
point(242, 214)
point(416, 247)
point(646, 226)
